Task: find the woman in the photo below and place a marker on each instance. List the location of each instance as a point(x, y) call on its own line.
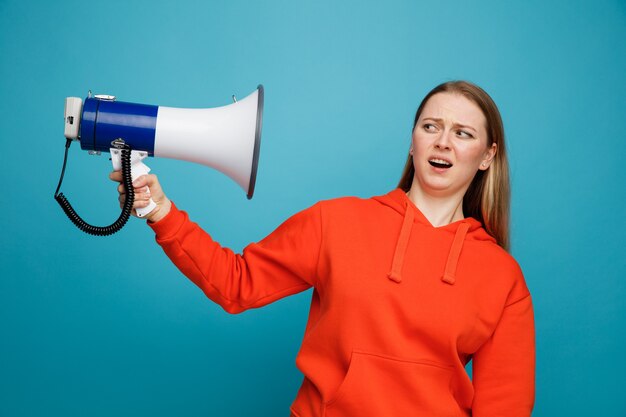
point(408, 287)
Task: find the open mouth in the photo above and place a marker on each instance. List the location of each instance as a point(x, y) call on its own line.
point(439, 163)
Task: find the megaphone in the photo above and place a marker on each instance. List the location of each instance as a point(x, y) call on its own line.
point(226, 138)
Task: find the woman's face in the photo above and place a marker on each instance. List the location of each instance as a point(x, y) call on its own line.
point(449, 145)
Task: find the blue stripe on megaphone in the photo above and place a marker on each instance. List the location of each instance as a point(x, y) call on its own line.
point(104, 121)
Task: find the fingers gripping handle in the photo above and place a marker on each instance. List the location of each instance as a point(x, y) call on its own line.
point(138, 169)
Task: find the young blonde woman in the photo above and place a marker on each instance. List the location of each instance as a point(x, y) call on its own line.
point(408, 286)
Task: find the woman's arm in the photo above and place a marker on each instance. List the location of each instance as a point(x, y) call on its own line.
point(283, 263)
point(503, 369)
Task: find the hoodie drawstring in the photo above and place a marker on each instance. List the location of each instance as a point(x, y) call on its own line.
point(449, 275)
point(403, 240)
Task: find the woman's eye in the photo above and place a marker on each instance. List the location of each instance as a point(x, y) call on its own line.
point(464, 134)
point(429, 127)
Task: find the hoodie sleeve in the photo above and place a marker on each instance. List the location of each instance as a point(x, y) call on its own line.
point(503, 369)
point(282, 264)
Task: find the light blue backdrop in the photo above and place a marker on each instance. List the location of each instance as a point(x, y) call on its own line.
point(107, 326)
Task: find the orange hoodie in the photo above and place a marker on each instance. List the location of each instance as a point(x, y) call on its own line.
point(399, 307)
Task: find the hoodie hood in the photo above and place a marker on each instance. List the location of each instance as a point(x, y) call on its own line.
point(465, 229)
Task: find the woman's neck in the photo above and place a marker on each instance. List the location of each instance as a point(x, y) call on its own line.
point(439, 211)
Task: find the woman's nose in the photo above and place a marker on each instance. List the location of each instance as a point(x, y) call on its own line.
point(443, 141)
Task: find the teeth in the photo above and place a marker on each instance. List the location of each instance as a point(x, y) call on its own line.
point(440, 161)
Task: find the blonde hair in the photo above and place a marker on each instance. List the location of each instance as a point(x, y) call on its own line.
point(488, 197)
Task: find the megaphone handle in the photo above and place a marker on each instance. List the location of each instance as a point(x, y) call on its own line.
point(138, 169)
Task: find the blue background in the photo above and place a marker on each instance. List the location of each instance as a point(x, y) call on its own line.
point(107, 326)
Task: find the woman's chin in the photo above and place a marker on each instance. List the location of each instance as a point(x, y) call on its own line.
point(437, 187)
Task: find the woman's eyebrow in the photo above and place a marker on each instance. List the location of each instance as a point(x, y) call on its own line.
point(438, 120)
point(434, 119)
point(465, 126)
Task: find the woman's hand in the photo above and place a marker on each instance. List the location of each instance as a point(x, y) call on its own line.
point(146, 187)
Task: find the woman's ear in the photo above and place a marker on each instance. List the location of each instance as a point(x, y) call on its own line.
point(489, 156)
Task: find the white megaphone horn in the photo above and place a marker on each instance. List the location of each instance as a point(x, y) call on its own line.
point(226, 138)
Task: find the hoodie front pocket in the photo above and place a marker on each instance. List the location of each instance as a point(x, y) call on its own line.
point(379, 385)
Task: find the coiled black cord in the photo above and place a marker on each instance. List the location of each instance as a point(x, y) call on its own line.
point(126, 209)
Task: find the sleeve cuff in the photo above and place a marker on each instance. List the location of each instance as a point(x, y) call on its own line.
point(168, 226)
